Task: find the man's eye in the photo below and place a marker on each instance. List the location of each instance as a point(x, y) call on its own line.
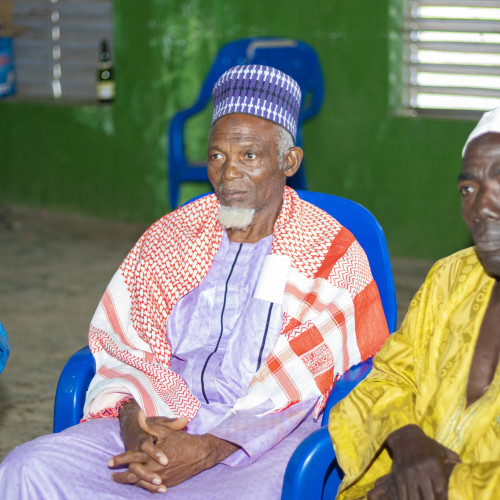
point(465, 190)
point(251, 156)
point(215, 156)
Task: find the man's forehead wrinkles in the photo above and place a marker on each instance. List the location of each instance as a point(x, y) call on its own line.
point(484, 164)
point(238, 138)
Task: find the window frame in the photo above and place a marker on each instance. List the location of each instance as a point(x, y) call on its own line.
point(403, 68)
point(59, 49)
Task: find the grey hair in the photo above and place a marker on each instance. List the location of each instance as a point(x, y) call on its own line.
point(284, 142)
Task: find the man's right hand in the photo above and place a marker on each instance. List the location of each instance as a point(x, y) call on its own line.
point(146, 461)
point(421, 467)
point(160, 454)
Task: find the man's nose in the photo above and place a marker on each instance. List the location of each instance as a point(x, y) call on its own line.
point(232, 168)
point(487, 203)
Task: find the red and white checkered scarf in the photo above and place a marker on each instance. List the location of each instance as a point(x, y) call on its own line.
point(332, 315)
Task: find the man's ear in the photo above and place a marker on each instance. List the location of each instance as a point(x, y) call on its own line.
point(293, 158)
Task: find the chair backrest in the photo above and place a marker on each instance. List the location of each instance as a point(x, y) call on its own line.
point(370, 236)
point(293, 57)
point(313, 471)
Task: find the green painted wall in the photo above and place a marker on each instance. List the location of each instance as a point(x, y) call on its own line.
point(110, 160)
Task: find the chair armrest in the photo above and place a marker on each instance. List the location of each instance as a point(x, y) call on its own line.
point(345, 385)
point(4, 347)
point(72, 388)
point(312, 469)
point(313, 472)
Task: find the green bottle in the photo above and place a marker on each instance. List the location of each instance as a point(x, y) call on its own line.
point(105, 75)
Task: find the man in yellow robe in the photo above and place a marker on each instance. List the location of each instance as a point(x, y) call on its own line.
point(425, 423)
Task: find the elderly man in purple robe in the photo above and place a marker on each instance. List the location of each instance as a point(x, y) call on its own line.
point(219, 338)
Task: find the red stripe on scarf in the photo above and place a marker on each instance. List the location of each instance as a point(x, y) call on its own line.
point(343, 240)
point(112, 315)
point(317, 356)
point(148, 404)
point(293, 323)
point(277, 369)
point(110, 310)
point(308, 340)
point(369, 317)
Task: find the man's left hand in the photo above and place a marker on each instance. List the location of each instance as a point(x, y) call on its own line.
point(384, 488)
point(186, 454)
point(421, 466)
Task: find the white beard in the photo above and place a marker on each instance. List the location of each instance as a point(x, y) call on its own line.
point(235, 217)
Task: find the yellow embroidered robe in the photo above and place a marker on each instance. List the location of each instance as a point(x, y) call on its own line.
point(420, 376)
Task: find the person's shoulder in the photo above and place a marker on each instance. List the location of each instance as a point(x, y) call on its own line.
point(183, 222)
point(317, 219)
point(193, 212)
point(466, 256)
point(457, 268)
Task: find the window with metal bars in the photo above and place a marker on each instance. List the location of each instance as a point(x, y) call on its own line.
point(451, 56)
point(56, 57)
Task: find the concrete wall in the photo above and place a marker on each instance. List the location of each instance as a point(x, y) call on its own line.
point(110, 160)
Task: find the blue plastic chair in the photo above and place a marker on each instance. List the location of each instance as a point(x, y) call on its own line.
point(296, 58)
point(4, 347)
point(312, 469)
point(312, 472)
point(370, 236)
point(72, 389)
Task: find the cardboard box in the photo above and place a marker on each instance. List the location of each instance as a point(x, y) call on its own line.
point(7, 67)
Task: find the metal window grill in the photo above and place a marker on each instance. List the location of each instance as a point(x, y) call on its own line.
point(56, 57)
point(451, 52)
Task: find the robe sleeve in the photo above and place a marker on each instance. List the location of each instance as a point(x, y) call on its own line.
point(473, 481)
point(384, 401)
point(125, 364)
point(257, 432)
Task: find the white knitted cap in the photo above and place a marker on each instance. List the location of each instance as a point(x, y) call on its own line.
point(489, 122)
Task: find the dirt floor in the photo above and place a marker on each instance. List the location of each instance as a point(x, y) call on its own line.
point(54, 268)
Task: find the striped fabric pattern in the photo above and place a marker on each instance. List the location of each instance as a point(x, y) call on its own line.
point(260, 91)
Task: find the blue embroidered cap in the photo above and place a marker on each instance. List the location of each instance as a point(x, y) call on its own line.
point(260, 91)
